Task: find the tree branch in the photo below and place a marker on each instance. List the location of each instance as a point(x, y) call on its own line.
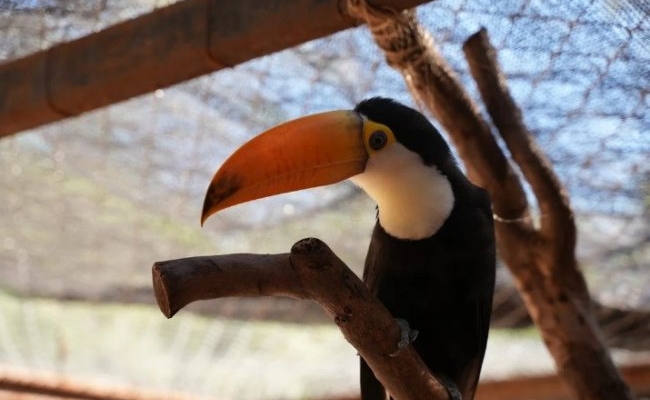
point(547, 272)
point(310, 271)
point(556, 215)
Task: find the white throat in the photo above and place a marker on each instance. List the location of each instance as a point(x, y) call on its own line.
point(414, 199)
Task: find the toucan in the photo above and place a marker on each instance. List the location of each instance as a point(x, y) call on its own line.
point(431, 259)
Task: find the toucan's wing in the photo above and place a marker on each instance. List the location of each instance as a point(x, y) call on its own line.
point(371, 388)
point(484, 235)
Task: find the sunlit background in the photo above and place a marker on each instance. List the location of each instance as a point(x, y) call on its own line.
point(89, 203)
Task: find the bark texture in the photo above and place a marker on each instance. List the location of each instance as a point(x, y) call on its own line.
point(310, 271)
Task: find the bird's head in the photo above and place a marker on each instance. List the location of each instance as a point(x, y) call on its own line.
point(390, 150)
point(411, 129)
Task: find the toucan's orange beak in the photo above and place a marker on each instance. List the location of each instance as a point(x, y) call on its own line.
point(311, 151)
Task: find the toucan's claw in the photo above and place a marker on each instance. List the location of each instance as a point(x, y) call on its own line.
point(407, 335)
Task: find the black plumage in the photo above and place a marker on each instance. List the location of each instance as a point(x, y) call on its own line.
point(441, 285)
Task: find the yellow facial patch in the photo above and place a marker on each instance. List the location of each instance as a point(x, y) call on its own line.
point(376, 136)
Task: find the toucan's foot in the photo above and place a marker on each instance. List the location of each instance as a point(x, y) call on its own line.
point(452, 388)
point(407, 335)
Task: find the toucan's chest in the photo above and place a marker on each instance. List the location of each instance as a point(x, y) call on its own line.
point(436, 258)
point(415, 280)
point(445, 268)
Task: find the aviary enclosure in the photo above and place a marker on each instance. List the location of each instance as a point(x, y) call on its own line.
point(546, 107)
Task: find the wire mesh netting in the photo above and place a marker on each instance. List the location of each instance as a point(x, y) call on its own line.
point(90, 202)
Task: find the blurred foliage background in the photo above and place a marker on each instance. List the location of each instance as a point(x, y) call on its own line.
point(89, 203)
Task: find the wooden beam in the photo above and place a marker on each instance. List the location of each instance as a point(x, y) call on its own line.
point(167, 46)
point(23, 383)
point(551, 387)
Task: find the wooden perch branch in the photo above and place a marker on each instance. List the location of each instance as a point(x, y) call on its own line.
point(310, 271)
point(178, 283)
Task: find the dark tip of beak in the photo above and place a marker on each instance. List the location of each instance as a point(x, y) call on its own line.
point(207, 205)
point(218, 191)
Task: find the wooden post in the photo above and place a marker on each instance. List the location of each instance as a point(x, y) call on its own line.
point(167, 46)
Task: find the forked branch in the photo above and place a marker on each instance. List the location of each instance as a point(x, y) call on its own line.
point(557, 218)
point(310, 271)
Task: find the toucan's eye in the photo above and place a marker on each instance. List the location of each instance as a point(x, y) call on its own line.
point(378, 140)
